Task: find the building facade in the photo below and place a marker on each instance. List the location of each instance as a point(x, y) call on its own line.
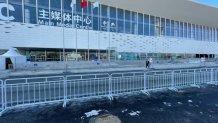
point(47, 30)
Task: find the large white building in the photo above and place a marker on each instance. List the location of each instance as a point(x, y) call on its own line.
point(117, 29)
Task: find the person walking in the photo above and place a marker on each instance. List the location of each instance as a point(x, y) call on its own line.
point(150, 62)
point(147, 64)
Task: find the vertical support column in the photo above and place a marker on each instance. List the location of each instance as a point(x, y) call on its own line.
point(7, 9)
point(65, 91)
point(172, 79)
point(37, 14)
point(23, 19)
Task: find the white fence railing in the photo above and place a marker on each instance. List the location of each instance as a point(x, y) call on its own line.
point(21, 92)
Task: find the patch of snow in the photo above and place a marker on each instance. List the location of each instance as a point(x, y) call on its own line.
point(167, 104)
point(124, 110)
point(190, 101)
point(136, 113)
point(216, 105)
point(180, 103)
point(92, 113)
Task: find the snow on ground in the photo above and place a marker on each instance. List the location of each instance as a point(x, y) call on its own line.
point(180, 103)
point(123, 111)
point(190, 101)
point(92, 113)
point(136, 113)
point(167, 104)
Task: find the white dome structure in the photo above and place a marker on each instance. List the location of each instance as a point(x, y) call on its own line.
point(12, 59)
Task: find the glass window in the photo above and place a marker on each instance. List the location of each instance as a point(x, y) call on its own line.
point(15, 15)
point(203, 33)
point(200, 32)
point(43, 13)
point(193, 31)
point(113, 15)
point(196, 32)
point(127, 22)
point(96, 18)
point(95, 23)
point(104, 18)
point(4, 11)
point(104, 11)
point(87, 17)
point(146, 25)
point(134, 22)
point(176, 29)
point(157, 26)
point(189, 30)
point(140, 24)
point(96, 11)
point(78, 7)
point(162, 27)
point(55, 16)
point(167, 27)
point(172, 27)
point(151, 25)
point(87, 10)
point(181, 29)
point(67, 13)
point(30, 11)
point(207, 34)
point(185, 30)
point(120, 21)
point(212, 33)
point(217, 34)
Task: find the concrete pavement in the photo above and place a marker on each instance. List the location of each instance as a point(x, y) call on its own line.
point(92, 67)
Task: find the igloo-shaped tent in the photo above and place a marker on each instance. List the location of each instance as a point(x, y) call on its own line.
point(13, 58)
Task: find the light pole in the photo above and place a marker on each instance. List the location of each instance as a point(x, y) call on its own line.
point(63, 38)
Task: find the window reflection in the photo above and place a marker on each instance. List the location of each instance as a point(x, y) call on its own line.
point(104, 18)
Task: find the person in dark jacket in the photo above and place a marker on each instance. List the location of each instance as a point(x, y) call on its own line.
point(147, 64)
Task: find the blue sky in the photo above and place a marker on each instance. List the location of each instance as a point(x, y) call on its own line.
point(208, 2)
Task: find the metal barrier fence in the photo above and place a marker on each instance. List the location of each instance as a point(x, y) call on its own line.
point(32, 91)
point(90, 85)
point(126, 82)
point(28, 91)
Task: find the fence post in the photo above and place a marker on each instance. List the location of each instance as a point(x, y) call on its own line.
point(211, 75)
point(145, 88)
point(110, 85)
point(194, 77)
point(172, 79)
point(65, 91)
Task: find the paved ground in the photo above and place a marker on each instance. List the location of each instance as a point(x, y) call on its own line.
point(93, 68)
point(191, 105)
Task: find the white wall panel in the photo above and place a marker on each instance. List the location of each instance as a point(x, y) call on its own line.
point(39, 36)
